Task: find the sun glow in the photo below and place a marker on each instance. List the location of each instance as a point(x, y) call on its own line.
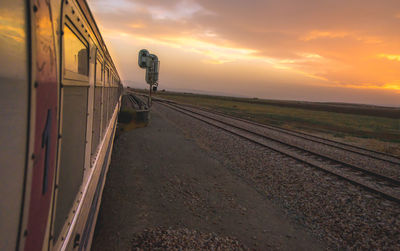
point(393, 86)
point(312, 47)
point(217, 54)
point(390, 57)
point(370, 86)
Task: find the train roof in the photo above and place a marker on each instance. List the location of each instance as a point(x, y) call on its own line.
point(90, 19)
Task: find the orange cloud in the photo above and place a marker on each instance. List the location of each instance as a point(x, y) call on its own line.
point(390, 57)
point(323, 34)
point(312, 56)
point(137, 25)
point(303, 41)
point(213, 52)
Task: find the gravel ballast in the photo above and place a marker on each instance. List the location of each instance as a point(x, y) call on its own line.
point(379, 166)
point(183, 239)
point(160, 178)
point(342, 215)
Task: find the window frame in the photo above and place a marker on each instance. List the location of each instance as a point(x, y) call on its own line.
point(70, 77)
point(99, 59)
point(107, 73)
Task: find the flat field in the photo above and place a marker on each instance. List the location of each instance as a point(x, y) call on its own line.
point(373, 127)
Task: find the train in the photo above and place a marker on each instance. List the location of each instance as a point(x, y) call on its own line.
point(60, 95)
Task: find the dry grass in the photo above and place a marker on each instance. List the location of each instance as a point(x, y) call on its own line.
point(374, 132)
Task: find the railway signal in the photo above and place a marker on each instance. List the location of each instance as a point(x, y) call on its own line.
point(151, 63)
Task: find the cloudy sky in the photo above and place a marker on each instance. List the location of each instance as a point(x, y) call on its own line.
point(331, 50)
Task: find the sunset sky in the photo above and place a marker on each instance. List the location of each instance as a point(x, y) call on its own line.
point(331, 50)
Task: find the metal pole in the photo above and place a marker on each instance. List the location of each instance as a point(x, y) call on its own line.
point(149, 100)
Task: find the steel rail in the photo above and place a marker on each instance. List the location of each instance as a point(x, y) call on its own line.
point(306, 136)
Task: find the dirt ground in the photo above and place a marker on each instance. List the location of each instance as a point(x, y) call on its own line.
point(160, 178)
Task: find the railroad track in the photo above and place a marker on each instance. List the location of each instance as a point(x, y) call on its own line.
point(136, 100)
point(385, 186)
point(339, 145)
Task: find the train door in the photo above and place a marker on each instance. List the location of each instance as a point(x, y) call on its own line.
point(98, 104)
point(44, 109)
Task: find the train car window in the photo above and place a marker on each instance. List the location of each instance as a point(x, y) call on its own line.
point(96, 132)
point(99, 70)
point(73, 128)
point(108, 76)
point(109, 90)
point(76, 57)
point(106, 101)
point(72, 159)
point(97, 107)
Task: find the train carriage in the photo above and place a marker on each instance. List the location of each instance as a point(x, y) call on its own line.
point(60, 96)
